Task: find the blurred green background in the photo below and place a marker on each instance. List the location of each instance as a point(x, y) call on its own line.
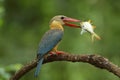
point(23, 22)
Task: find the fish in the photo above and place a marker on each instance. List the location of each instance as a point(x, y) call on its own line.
point(88, 27)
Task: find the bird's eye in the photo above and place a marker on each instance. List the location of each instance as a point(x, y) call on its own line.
point(62, 17)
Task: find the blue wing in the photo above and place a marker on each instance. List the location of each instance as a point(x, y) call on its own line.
point(49, 41)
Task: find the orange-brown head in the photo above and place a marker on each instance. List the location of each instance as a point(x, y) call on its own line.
point(57, 22)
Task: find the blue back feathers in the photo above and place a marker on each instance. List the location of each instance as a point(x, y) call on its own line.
point(49, 41)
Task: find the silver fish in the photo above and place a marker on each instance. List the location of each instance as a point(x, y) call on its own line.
point(88, 27)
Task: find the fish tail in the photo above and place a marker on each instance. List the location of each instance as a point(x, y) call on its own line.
point(38, 67)
point(96, 36)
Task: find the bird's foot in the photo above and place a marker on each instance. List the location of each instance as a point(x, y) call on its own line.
point(59, 52)
point(56, 52)
point(52, 53)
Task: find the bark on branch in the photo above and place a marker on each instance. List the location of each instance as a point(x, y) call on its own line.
point(96, 60)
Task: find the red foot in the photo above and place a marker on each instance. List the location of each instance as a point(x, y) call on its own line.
point(52, 53)
point(58, 52)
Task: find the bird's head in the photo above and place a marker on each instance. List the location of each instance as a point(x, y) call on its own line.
point(64, 20)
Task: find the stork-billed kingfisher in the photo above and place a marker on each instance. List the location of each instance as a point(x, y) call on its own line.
point(52, 37)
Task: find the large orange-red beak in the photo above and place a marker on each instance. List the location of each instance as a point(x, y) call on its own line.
point(66, 20)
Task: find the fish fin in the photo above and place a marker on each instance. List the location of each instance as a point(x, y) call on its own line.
point(96, 36)
point(89, 21)
point(83, 31)
point(93, 27)
point(38, 67)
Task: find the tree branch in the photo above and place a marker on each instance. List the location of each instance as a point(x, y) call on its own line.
point(96, 60)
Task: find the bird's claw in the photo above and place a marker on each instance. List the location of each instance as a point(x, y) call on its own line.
point(59, 52)
point(56, 53)
point(52, 53)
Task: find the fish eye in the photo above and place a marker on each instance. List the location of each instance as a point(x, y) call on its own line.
point(62, 17)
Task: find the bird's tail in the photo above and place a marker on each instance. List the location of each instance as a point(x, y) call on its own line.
point(38, 67)
point(96, 36)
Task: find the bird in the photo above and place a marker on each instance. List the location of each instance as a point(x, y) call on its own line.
point(50, 40)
